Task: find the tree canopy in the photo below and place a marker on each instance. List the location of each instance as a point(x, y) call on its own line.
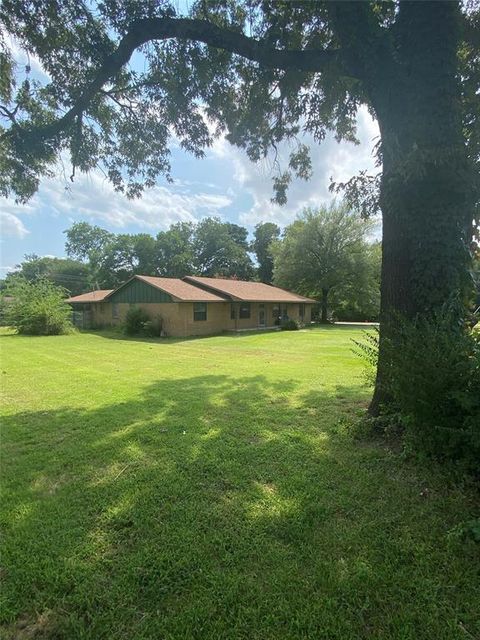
point(264, 235)
point(210, 247)
point(72, 275)
point(260, 72)
point(324, 250)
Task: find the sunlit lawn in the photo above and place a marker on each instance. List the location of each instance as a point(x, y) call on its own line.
point(213, 489)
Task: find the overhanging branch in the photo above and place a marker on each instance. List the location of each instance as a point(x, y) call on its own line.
point(149, 29)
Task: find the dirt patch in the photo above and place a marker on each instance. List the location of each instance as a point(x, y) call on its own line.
point(28, 627)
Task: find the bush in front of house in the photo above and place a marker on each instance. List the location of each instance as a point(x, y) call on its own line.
point(289, 325)
point(139, 323)
point(38, 308)
point(153, 328)
point(135, 320)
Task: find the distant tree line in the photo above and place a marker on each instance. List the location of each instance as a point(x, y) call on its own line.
point(324, 254)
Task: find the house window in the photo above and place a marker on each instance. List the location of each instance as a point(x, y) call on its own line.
point(244, 312)
point(115, 311)
point(301, 310)
point(233, 311)
point(199, 310)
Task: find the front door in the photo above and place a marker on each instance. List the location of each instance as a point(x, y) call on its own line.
point(261, 315)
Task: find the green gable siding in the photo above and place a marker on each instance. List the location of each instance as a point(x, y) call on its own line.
point(137, 291)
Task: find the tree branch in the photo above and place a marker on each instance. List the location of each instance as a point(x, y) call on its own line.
point(146, 30)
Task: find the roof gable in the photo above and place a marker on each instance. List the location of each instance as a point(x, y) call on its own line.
point(153, 289)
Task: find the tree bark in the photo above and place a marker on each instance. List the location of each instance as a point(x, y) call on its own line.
point(427, 200)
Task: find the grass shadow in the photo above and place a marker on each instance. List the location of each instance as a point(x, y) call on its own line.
point(215, 507)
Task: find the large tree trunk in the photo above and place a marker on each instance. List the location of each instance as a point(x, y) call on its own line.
point(426, 192)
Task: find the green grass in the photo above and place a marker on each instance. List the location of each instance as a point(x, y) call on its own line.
point(212, 489)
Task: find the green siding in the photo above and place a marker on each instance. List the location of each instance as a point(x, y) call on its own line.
point(137, 291)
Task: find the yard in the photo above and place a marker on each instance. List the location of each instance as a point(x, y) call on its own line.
point(214, 489)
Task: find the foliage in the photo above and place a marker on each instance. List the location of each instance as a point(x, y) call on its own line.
point(135, 320)
point(86, 241)
point(138, 322)
point(153, 328)
point(213, 474)
point(72, 275)
point(221, 249)
point(123, 118)
point(125, 255)
point(438, 403)
point(367, 349)
point(174, 256)
point(264, 235)
point(89, 243)
point(289, 325)
point(210, 247)
point(325, 251)
point(37, 308)
point(358, 299)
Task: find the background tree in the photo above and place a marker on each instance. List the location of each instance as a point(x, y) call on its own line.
point(88, 243)
point(123, 256)
point(117, 262)
point(359, 299)
point(262, 72)
point(72, 275)
point(174, 251)
point(322, 250)
point(220, 249)
point(144, 249)
point(265, 233)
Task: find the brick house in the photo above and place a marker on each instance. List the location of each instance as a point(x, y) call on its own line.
point(193, 305)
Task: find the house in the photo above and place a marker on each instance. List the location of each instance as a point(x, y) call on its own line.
point(193, 305)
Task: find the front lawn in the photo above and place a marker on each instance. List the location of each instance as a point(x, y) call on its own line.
point(212, 489)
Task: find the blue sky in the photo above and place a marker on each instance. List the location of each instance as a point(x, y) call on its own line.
point(225, 184)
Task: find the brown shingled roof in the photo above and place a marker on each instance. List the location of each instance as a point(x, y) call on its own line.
point(91, 296)
point(183, 291)
point(248, 291)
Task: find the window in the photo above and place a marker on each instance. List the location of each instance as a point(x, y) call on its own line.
point(199, 310)
point(115, 311)
point(244, 310)
point(301, 310)
point(233, 311)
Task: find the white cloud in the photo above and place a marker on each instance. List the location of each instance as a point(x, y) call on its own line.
point(93, 198)
point(11, 225)
point(330, 160)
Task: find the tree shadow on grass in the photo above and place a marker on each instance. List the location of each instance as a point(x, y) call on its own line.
point(211, 507)
point(119, 335)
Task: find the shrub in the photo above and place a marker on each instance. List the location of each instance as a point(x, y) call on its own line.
point(435, 382)
point(153, 328)
point(38, 308)
point(289, 325)
point(135, 320)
